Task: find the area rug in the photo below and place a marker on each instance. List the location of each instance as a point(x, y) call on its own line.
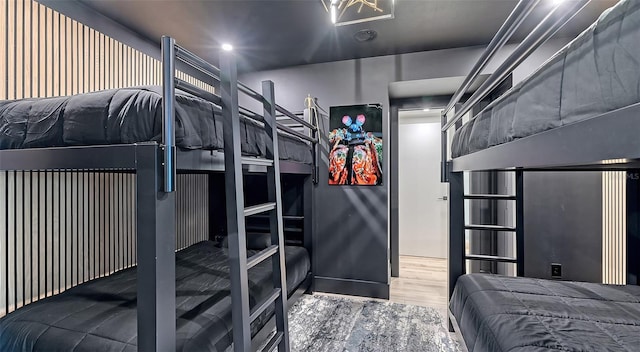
point(321, 323)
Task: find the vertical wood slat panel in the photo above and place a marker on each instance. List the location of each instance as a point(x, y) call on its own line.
point(10, 56)
point(27, 43)
point(52, 215)
point(614, 227)
point(4, 70)
point(18, 52)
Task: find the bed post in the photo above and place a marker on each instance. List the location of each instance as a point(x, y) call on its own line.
point(308, 225)
point(155, 228)
point(456, 229)
point(156, 224)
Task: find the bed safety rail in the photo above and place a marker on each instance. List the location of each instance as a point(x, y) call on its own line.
point(555, 19)
point(515, 19)
point(172, 52)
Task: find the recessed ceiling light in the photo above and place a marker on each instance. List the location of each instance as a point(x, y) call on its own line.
point(426, 110)
point(365, 35)
point(227, 47)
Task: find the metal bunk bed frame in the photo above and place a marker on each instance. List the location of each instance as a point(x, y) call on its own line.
point(155, 166)
point(582, 146)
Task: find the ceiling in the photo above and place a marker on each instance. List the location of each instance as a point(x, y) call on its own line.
point(271, 34)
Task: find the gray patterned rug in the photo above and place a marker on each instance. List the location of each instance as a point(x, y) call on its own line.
point(321, 323)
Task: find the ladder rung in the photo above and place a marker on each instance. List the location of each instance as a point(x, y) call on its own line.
point(266, 228)
point(491, 258)
point(284, 217)
point(273, 342)
point(257, 209)
point(259, 309)
point(489, 228)
point(490, 196)
point(261, 256)
point(247, 160)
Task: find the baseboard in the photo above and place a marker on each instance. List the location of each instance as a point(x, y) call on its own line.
point(351, 287)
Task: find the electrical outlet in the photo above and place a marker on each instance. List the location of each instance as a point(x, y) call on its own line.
point(556, 270)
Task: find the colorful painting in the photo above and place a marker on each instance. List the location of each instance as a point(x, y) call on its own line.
point(355, 150)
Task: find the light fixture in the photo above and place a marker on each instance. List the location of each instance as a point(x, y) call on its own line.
point(345, 12)
point(227, 47)
point(426, 110)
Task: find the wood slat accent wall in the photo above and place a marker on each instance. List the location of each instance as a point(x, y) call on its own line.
point(61, 228)
point(46, 54)
point(614, 227)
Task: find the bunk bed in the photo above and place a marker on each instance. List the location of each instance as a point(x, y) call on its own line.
point(213, 294)
point(577, 112)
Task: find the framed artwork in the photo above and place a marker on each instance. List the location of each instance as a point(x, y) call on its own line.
point(355, 150)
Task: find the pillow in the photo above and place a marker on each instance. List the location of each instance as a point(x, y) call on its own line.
point(255, 240)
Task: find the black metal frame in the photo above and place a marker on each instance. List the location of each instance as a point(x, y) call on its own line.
point(588, 145)
point(155, 166)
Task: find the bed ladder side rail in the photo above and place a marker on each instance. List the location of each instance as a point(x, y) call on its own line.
point(242, 314)
point(456, 248)
point(235, 204)
point(519, 222)
point(275, 217)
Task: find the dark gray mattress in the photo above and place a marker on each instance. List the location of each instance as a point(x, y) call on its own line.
point(101, 315)
point(498, 313)
point(597, 72)
point(128, 115)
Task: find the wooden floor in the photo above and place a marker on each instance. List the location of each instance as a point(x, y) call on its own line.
point(422, 282)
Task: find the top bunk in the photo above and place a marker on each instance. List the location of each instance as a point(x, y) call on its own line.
point(103, 129)
point(578, 111)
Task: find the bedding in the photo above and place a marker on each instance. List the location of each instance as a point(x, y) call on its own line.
point(128, 115)
point(597, 72)
point(101, 314)
point(499, 313)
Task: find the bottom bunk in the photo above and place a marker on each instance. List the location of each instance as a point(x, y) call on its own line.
point(499, 313)
point(101, 314)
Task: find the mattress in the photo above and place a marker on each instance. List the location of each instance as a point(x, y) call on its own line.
point(101, 315)
point(498, 313)
point(597, 72)
point(129, 115)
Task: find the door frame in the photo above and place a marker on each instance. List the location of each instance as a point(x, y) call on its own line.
point(395, 105)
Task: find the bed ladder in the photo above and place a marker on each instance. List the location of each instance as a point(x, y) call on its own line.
point(243, 315)
point(518, 229)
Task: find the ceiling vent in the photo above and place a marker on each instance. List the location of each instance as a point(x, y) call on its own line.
point(365, 35)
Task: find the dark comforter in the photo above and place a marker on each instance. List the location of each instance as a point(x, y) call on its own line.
point(597, 72)
point(498, 313)
point(101, 315)
point(128, 115)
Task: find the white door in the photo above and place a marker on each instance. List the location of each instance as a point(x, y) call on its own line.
point(422, 201)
